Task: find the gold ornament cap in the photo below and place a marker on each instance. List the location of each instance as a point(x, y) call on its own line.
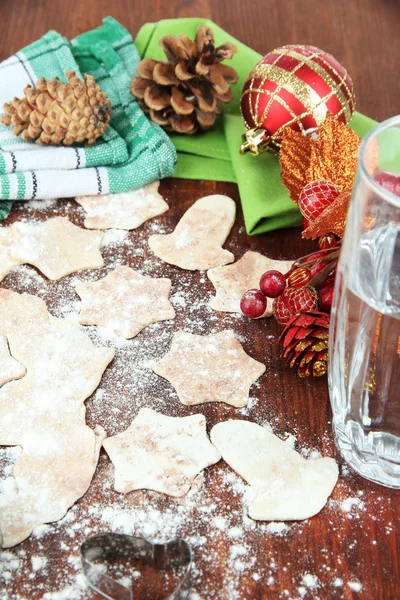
point(255, 141)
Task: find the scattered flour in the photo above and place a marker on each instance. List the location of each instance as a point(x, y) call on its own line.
point(310, 581)
point(355, 585)
point(213, 516)
point(112, 237)
point(38, 562)
point(349, 503)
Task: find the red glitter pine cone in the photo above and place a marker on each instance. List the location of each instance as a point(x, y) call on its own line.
point(293, 301)
point(304, 343)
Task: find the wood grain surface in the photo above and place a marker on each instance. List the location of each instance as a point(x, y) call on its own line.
point(351, 549)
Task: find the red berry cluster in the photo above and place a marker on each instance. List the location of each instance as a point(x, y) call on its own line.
point(307, 286)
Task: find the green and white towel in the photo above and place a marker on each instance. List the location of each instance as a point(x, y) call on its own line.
point(134, 151)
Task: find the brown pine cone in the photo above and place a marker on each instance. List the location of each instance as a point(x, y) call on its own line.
point(55, 112)
point(305, 343)
point(185, 94)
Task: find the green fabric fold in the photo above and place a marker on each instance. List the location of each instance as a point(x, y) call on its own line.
point(215, 155)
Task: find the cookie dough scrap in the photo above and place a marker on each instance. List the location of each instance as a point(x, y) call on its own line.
point(127, 210)
point(285, 486)
point(9, 367)
point(44, 413)
point(56, 247)
point(160, 453)
point(7, 261)
point(196, 243)
point(209, 368)
point(125, 301)
point(232, 281)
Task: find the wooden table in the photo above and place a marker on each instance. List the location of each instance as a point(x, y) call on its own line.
point(351, 549)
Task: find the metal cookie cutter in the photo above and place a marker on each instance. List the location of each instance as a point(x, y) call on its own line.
point(117, 546)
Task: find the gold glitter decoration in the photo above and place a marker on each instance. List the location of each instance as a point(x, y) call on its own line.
point(331, 157)
point(319, 368)
point(295, 160)
point(287, 80)
point(331, 220)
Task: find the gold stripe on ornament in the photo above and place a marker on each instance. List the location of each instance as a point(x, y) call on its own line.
point(263, 68)
point(342, 80)
point(298, 88)
point(308, 60)
point(264, 71)
point(335, 87)
point(271, 66)
point(283, 52)
point(313, 103)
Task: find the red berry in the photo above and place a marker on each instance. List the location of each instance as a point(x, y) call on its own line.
point(293, 301)
point(272, 283)
point(315, 197)
point(325, 296)
point(253, 304)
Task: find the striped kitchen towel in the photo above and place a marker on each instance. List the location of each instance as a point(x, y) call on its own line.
point(133, 151)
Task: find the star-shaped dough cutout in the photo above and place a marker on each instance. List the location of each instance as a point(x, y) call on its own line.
point(209, 368)
point(7, 262)
point(232, 281)
point(10, 368)
point(125, 301)
point(160, 453)
point(196, 243)
point(127, 210)
point(43, 413)
point(285, 486)
point(56, 247)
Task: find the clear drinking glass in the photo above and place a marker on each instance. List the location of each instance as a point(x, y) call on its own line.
point(364, 342)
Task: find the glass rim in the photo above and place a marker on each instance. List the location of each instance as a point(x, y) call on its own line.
point(379, 189)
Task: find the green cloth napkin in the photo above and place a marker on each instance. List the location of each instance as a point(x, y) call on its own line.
point(133, 152)
point(215, 155)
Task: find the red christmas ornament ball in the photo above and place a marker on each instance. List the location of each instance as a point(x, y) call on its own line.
point(293, 301)
point(253, 304)
point(315, 197)
point(297, 86)
point(272, 283)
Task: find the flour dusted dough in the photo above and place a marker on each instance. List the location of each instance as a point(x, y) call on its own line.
point(160, 453)
point(44, 413)
point(9, 367)
point(127, 210)
point(56, 247)
point(232, 281)
point(196, 243)
point(285, 485)
point(209, 368)
point(125, 301)
point(7, 261)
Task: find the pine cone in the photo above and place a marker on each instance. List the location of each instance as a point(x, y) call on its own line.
point(305, 343)
point(185, 94)
point(55, 112)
